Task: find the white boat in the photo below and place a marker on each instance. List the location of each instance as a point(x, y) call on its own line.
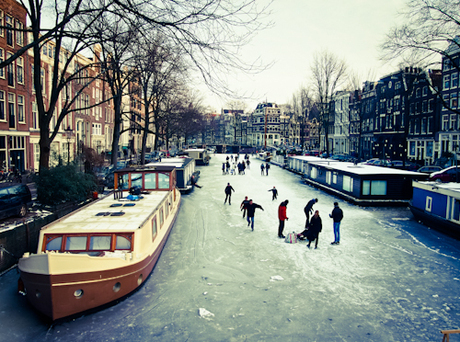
point(105, 250)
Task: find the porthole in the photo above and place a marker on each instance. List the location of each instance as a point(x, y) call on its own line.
point(139, 280)
point(116, 287)
point(78, 293)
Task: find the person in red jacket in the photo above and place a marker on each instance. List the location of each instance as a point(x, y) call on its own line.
point(282, 217)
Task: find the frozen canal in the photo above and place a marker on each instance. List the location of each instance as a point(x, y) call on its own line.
point(390, 279)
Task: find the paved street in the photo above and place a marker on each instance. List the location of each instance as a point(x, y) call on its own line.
point(390, 279)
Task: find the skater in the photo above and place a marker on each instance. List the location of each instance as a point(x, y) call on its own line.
point(267, 166)
point(262, 167)
point(337, 216)
point(315, 228)
point(223, 168)
point(308, 210)
point(228, 194)
point(193, 181)
point(244, 205)
point(251, 210)
point(274, 193)
point(282, 217)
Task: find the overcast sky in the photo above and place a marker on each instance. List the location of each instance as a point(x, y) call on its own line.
point(351, 29)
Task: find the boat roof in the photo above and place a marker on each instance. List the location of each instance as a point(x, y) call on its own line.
point(195, 149)
point(175, 162)
point(364, 169)
point(144, 168)
point(432, 185)
point(311, 158)
point(89, 218)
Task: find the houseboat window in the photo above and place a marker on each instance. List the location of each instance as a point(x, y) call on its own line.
point(347, 183)
point(161, 217)
point(75, 243)
point(123, 181)
point(428, 203)
point(163, 181)
point(314, 172)
point(334, 177)
point(328, 177)
point(122, 243)
point(154, 227)
point(99, 243)
point(54, 244)
point(150, 181)
point(375, 187)
point(456, 216)
point(167, 208)
point(136, 179)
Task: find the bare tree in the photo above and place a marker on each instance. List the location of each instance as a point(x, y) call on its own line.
point(328, 75)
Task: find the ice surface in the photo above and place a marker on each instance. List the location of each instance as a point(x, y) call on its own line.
point(390, 279)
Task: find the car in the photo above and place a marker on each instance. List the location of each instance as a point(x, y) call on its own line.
point(399, 164)
point(429, 169)
point(15, 200)
point(446, 175)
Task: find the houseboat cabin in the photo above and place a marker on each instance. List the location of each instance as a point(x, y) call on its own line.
point(363, 184)
point(199, 154)
point(185, 169)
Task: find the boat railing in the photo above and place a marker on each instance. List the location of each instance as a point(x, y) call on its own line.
point(446, 334)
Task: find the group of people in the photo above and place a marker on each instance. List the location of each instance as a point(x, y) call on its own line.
point(230, 166)
point(314, 225)
point(265, 167)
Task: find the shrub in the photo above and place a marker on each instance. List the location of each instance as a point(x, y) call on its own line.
point(64, 183)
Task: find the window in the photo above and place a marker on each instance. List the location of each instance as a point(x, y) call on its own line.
point(53, 243)
point(136, 179)
point(374, 188)
point(21, 117)
point(445, 122)
point(424, 125)
point(446, 82)
point(453, 121)
point(430, 105)
point(453, 100)
point(347, 183)
point(76, 243)
point(2, 105)
point(425, 91)
point(150, 180)
point(10, 71)
point(418, 93)
point(100, 243)
point(123, 242)
point(35, 124)
point(9, 32)
point(162, 218)
point(154, 227)
point(2, 59)
point(20, 70)
point(11, 110)
point(163, 181)
point(454, 80)
point(1, 23)
point(19, 33)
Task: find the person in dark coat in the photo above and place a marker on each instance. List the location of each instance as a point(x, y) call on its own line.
point(337, 216)
point(308, 210)
point(193, 181)
point(244, 205)
point(251, 211)
point(267, 166)
point(274, 193)
point(228, 194)
point(282, 216)
point(262, 168)
point(316, 227)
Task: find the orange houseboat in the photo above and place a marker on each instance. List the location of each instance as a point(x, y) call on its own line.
point(106, 249)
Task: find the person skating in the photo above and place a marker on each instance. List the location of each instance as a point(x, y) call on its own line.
point(194, 183)
point(244, 205)
point(282, 217)
point(251, 211)
point(315, 228)
point(337, 216)
point(267, 166)
point(274, 193)
point(262, 168)
point(228, 193)
point(308, 210)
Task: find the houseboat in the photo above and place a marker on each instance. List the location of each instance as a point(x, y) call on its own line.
point(185, 169)
point(437, 205)
point(363, 184)
point(105, 250)
point(298, 164)
point(200, 155)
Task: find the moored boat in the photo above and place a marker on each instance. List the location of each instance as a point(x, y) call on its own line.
point(105, 250)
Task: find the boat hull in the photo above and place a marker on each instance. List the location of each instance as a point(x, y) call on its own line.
point(436, 222)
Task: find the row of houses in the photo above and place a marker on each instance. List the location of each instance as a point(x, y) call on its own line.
point(409, 114)
point(90, 125)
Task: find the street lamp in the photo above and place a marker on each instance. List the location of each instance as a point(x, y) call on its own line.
point(68, 133)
